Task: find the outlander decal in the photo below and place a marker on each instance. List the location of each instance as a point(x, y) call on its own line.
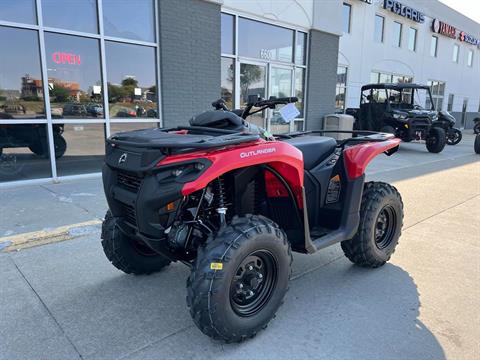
point(244, 155)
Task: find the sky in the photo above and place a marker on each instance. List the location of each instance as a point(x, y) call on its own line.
point(470, 8)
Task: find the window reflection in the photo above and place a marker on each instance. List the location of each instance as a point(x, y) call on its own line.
point(280, 86)
point(227, 81)
point(84, 149)
point(129, 19)
point(21, 91)
point(227, 34)
point(71, 14)
point(74, 76)
point(300, 53)
point(253, 82)
point(23, 152)
point(22, 11)
point(122, 127)
point(131, 76)
point(264, 41)
point(300, 90)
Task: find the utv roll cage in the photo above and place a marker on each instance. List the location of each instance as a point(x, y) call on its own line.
point(400, 87)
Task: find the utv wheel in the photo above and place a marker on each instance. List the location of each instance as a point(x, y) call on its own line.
point(239, 279)
point(128, 254)
point(436, 140)
point(60, 145)
point(476, 145)
point(381, 220)
point(455, 137)
point(388, 129)
point(476, 127)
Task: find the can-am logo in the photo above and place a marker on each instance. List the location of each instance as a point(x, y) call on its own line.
point(257, 152)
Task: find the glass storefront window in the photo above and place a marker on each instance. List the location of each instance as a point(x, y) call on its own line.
point(341, 88)
point(22, 11)
point(74, 76)
point(264, 41)
point(21, 91)
point(227, 81)
point(129, 19)
point(23, 152)
point(300, 49)
point(131, 76)
point(122, 127)
point(300, 90)
point(84, 149)
point(280, 86)
point(228, 33)
point(71, 14)
point(253, 81)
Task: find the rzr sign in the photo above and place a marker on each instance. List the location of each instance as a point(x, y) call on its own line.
point(403, 10)
point(66, 58)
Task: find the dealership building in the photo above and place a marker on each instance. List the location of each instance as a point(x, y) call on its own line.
point(72, 73)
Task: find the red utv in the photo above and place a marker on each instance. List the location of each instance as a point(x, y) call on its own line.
point(232, 202)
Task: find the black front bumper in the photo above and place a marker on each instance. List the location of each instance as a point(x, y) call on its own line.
point(140, 200)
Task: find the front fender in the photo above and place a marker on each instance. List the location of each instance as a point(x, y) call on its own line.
point(283, 157)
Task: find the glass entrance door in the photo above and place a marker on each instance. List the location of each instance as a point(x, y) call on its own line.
point(253, 81)
point(280, 85)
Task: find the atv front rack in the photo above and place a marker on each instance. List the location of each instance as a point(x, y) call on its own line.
point(182, 137)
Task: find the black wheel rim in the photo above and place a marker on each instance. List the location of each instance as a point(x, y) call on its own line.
point(253, 283)
point(385, 227)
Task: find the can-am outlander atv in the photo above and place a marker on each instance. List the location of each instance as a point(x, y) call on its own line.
point(231, 202)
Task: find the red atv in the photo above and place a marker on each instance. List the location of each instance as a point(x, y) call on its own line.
point(231, 202)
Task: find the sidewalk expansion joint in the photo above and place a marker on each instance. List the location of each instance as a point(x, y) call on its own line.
point(47, 309)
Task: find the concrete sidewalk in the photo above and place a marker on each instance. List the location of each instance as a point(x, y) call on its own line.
point(65, 301)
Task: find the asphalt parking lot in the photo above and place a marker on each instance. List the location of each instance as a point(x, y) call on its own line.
point(65, 301)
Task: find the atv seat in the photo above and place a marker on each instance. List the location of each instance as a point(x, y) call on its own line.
point(315, 149)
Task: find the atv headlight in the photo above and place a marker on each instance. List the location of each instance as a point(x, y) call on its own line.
point(400, 116)
point(435, 117)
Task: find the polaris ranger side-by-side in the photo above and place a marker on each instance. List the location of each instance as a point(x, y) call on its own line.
point(396, 109)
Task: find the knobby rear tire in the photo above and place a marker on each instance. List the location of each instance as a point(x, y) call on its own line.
point(363, 249)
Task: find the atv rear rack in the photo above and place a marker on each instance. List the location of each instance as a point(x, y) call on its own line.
point(359, 136)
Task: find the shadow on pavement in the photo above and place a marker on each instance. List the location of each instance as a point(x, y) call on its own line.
point(338, 311)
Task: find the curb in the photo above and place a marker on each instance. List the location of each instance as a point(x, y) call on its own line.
point(42, 237)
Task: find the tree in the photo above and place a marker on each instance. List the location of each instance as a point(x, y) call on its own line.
point(116, 92)
point(60, 93)
point(250, 74)
point(129, 82)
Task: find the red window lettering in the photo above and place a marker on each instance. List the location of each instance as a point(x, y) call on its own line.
point(59, 57)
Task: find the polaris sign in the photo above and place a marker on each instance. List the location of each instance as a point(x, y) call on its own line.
point(403, 10)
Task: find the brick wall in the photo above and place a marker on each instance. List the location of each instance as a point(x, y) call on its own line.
point(322, 78)
point(189, 58)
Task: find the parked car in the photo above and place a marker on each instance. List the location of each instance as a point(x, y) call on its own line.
point(126, 113)
point(95, 109)
point(396, 109)
point(74, 109)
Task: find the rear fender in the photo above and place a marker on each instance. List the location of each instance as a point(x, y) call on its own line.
point(359, 156)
